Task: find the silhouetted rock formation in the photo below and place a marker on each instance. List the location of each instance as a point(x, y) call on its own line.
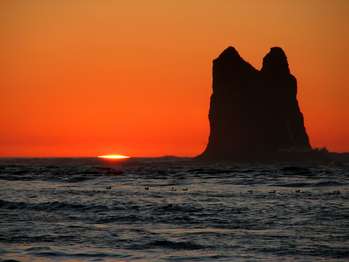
point(254, 114)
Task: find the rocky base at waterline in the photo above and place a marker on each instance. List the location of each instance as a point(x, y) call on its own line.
point(254, 114)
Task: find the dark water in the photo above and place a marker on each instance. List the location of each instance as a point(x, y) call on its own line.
point(172, 210)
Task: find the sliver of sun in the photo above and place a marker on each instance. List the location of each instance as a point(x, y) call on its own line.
point(115, 157)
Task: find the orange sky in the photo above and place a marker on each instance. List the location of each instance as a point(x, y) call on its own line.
point(85, 78)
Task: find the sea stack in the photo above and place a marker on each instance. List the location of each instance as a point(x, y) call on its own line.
point(254, 114)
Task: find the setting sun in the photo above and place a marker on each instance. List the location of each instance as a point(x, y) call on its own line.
point(115, 156)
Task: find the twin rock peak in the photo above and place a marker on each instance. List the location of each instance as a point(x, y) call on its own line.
point(254, 114)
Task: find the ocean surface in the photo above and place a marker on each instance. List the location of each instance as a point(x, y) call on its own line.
point(172, 210)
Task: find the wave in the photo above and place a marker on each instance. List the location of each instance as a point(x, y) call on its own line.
point(57, 174)
point(49, 206)
point(167, 244)
point(179, 208)
point(317, 184)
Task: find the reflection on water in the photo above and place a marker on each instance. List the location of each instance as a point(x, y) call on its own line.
point(171, 210)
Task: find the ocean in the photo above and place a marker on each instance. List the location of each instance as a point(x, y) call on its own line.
point(169, 209)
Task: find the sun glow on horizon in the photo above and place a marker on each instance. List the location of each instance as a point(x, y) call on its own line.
point(114, 156)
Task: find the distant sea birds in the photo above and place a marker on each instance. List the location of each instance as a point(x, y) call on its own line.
point(297, 191)
point(147, 188)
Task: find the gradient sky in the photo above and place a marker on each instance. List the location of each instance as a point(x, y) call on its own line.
point(84, 78)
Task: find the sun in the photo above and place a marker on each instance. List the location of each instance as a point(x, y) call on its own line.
point(114, 156)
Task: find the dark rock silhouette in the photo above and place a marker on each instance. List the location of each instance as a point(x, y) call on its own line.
point(254, 114)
